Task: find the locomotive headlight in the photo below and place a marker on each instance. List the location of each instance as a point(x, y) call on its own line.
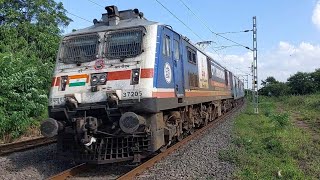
point(94, 80)
point(103, 78)
point(98, 79)
point(63, 83)
point(135, 76)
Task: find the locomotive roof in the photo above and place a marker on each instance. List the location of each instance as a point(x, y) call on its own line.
point(135, 22)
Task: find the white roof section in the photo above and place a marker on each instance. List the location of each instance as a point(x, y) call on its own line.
point(103, 26)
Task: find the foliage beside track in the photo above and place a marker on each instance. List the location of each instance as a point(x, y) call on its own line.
point(29, 34)
point(304, 109)
point(301, 83)
point(273, 144)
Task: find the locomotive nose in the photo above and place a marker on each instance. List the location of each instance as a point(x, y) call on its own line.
point(50, 127)
point(130, 122)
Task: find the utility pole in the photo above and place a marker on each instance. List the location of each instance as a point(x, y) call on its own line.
point(252, 89)
point(247, 82)
point(255, 67)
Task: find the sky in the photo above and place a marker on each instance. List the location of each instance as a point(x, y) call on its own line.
point(288, 30)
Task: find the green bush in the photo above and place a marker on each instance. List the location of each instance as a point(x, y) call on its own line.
point(281, 120)
point(30, 35)
point(295, 100)
point(273, 145)
point(315, 104)
point(23, 94)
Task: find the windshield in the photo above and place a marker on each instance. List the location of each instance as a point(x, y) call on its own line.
point(80, 49)
point(123, 44)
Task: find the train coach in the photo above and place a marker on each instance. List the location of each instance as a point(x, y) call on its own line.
point(127, 87)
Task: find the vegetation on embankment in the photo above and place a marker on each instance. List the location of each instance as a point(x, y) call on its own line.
point(301, 83)
point(29, 38)
point(281, 142)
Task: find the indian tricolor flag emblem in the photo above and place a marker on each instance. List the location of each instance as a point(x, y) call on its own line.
point(78, 80)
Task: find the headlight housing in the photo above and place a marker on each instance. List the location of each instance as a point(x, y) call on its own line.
point(98, 79)
point(135, 76)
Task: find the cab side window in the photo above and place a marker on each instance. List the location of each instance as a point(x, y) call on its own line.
point(176, 50)
point(191, 56)
point(166, 46)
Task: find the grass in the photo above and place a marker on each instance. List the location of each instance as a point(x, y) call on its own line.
point(304, 108)
point(271, 146)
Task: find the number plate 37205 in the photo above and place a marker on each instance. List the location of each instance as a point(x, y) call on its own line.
point(131, 94)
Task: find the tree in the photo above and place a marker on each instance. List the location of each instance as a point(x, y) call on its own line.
point(39, 12)
point(316, 79)
point(272, 87)
point(29, 36)
point(301, 83)
point(269, 80)
point(32, 25)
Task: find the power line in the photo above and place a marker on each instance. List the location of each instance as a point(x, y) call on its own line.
point(212, 30)
point(79, 17)
point(96, 3)
point(215, 34)
point(235, 32)
point(201, 22)
point(223, 47)
point(234, 42)
point(196, 15)
point(179, 20)
point(226, 61)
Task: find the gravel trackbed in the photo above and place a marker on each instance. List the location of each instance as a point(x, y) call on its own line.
point(199, 159)
point(39, 163)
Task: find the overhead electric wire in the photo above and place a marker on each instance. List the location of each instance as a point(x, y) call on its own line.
point(96, 3)
point(78, 17)
point(82, 17)
point(211, 29)
point(216, 35)
point(218, 47)
point(179, 20)
point(235, 32)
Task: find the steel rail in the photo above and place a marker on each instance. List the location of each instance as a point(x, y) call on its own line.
point(146, 165)
point(70, 172)
point(6, 149)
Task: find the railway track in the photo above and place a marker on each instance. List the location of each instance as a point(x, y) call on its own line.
point(149, 163)
point(25, 145)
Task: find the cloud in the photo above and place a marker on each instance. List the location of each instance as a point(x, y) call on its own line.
point(288, 59)
point(316, 15)
point(281, 62)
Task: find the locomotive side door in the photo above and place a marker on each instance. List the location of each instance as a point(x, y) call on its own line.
point(171, 52)
point(177, 65)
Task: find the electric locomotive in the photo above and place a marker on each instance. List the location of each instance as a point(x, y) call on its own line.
point(127, 87)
